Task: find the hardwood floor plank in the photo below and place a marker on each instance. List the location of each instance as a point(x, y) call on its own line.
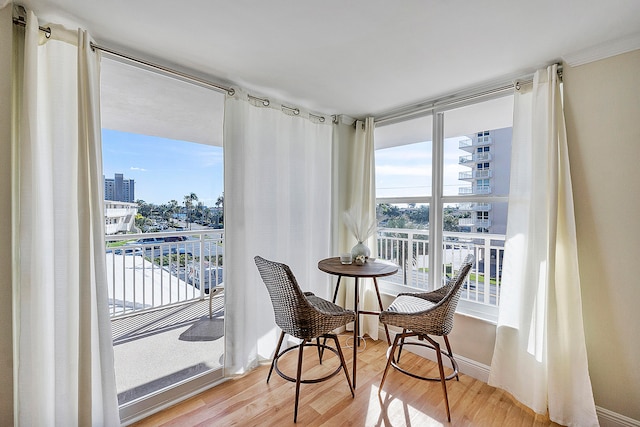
point(404, 401)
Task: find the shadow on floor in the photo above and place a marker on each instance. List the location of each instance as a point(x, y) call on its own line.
point(205, 329)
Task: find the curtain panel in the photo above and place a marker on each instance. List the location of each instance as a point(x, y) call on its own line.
point(540, 352)
point(277, 205)
point(354, 191)
point(64, 357)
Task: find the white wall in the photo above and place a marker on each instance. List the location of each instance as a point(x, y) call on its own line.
point(602, 109)
point(6, 331)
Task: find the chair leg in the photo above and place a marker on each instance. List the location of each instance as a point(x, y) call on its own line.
point(320, 349)
point(389, 358)
point(404, 331)
point(443, 381)
point(275, 355)
point(446, 341)
point(344, 364)
point(298, 376)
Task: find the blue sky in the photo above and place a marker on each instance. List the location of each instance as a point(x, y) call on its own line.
point(406, 170)
point(164, 169)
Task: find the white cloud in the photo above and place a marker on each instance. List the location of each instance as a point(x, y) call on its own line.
point(133, 168)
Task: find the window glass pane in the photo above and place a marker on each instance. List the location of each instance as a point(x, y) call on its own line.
point(477, 149)
point(403, 158)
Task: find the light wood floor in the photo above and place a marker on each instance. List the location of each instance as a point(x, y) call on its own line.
point(404, 401)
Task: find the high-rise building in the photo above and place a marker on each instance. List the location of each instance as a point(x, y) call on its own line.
point(119, 189)
point(489, 161)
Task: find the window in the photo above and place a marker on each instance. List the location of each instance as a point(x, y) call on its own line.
point(428, 233)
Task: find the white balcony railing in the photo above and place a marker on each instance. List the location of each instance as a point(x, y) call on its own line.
point(465, 175)
point(475, 206)
point(474, 222)
point(482, 189)
point(153, 270)
point(467, 142)
point(410, 250)
point(161, 270)
point(484, 173)
point(478, 157)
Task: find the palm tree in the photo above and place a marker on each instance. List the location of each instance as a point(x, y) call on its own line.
point(219, 207)
point(188, 204)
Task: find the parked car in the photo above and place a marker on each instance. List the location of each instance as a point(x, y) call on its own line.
point(128, 251)
point(148, 240)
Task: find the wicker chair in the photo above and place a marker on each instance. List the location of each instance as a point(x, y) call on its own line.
point(424, 314)
point(303, 316)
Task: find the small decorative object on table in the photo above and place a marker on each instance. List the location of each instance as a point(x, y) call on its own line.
point(362, 227)
point(360, 260)
point(346, 258)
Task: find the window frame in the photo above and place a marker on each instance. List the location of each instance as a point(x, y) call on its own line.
point(436, 202)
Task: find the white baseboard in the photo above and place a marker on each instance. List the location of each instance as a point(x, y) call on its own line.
point(480, 372)
point(609, 418)
point(466, 366)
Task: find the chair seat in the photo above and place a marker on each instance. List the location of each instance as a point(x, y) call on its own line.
point(325, 306)
point(407, 304)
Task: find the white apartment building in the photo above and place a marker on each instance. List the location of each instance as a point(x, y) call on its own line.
point(119, 217)
point(489, 163)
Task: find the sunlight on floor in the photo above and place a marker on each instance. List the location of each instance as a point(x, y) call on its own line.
point(384, 407)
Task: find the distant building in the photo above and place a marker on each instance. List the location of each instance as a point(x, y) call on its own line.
point(119, 189)
point(119, 217)
point(489, 161)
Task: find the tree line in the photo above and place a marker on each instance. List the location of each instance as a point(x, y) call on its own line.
point(392, 216)
point(191, 209)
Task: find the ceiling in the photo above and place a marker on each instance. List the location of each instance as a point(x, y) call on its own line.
point(357, 57)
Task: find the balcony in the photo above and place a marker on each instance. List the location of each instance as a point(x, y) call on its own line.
point(483, 173)
point(465, 143)
point(468, 143)
point(474, 207)
point(466, 175)
point(473, 222)
point(484, 189)
point(166, 300)
point(477, 157)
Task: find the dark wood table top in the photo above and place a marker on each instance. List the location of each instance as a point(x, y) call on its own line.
point(368, 269)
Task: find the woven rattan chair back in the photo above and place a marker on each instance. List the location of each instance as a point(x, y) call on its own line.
point(450, 299)
point(439, 306)
point(290, 306)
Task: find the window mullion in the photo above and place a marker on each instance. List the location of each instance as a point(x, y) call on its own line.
point(436, 210)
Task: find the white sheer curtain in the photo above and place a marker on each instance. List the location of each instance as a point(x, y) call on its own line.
point(540, 353)
point(65, 372)
point(354, 189)
point(277, 205)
